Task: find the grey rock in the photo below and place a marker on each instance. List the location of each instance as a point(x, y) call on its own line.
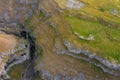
point(61, 77)
point(74, 4)
point(15, 10)
point(79, 77)
point(71, 48)
point(114, 12)
point(46, 75)
point(96, 78)
point(113, 69)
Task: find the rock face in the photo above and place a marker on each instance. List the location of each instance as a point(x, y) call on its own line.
point(85, 55)
point(74, 4)
point(114, 12)
point(114, 68)
point(46, 75)
point(89, 38)
point(17, 52)
point(13, 51)
point(7, 45)
point(16, 10)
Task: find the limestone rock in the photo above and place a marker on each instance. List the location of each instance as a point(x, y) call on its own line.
point(74, 4)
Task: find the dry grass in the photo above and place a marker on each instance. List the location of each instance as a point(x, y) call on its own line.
point(93, 8)
point(7, 42)
point(94, 18)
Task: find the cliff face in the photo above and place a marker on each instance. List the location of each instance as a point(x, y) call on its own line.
point(14, 45)
point(54, 52)
point(14, 50)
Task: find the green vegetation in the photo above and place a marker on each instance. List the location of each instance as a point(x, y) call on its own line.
point(101, 12)
point(39, 51)
point(16, 71)
point(98, 8)
point(107, 39)
point(95, 18)
point(100, 71)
